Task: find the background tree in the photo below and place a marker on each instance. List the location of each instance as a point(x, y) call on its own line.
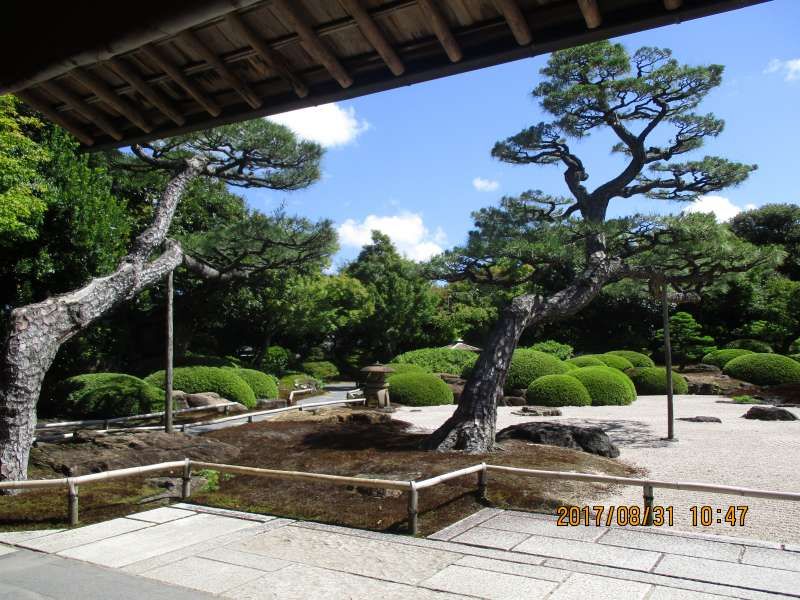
point(688, 342)
point(535, 236)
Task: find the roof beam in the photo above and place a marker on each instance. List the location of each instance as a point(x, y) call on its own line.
point(272, 58)
point(313, 45)
point(156, 98)
point(91, 113)
point(591, 13)
point(374, 35)
point(190, 39)
point(673, 4)
point(177, 75)
point(56, 117)
point(441, 29)
point(104, 92)
point(516, 21)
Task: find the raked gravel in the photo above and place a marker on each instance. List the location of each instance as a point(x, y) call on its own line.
point(738, 452)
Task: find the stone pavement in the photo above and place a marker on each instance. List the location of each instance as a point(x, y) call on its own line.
point(492, 554)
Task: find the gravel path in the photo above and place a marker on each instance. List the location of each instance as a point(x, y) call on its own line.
point(736, 452)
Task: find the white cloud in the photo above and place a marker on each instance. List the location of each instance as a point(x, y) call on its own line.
point(329, 124)
point(485, 185)
point(406, 230)
point(720, 206)
point(750, 206)
point(790, 68)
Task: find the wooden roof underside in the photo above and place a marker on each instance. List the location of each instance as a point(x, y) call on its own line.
point(116, 73)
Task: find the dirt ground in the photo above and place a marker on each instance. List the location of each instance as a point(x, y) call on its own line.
point(335, 441)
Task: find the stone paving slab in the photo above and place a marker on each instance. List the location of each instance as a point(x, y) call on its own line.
point(614, 556)
point(15, 537)
point(498, 586)
point(583, 587)
point(491, 538)
point(512, 568)
point(6, 550)
point(205, 575)
point(161, 515)
point(665, 593)
point(81, 536)
point(539, 526)
point(224, 512)
point(228, 555)
point(776, 559)
point(672, 544)
point(465, 524)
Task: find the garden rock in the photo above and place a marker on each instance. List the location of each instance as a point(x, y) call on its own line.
point(701, 419)
point(537, 411)
point(204, 399)
point(512, 401)
point(769, 413)
point(701, 368)
point(704, 388)
point(589, 439)
point(264, 404)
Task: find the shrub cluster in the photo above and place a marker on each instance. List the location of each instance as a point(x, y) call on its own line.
point(558, 390)
point(276, 360)
point(440, 360)
point(265, 387)
point(557, 349)
point(587, 360)
point(104, 396)
point(619, 363)
point(194, 380)
point(406, 368)
point(321, 369)
point(637, 359)
point(653, 380)
point(419, 389)
point(294, 380)
point(752, 345)
point(606, 385)
point(720, 358)
point(764, 369)
point(206, 360)
point(528, 365)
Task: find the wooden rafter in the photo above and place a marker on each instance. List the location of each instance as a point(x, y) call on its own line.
point(272, 58)
point(374, 35)
point(89, 111)
point(193, 43)
point(591, 13)
point(104, 92)
point(312, 43)
point(177, 75)
point(156, 98)
point(56, 117)
point(441, 29)
point(673, 4)
point(516, 21)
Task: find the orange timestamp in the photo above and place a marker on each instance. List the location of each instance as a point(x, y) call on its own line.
point(624, 515)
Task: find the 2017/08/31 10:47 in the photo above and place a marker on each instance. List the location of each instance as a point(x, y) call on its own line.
point(599, 515)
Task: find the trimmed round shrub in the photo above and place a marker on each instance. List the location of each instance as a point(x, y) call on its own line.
point(264, 386)
point(606, 385)
point(194, 380)
point(528, 365)
point(440, 360)
point(321, 369)
point(557, 349)
point(558, 390)
point(570, 366)
point(276, 360)
point(795, 357)
point(104, 396)
point(406, 368)
point(753, 345)
point(587, 360)
point(653, 380)
point(615, 362)
point(637, 359)
point(764, 369)
point(294, 380)
point(720, 358)
point(419, 389)
point(794, 347)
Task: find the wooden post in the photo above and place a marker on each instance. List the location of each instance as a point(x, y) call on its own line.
point(647, 494)
point(413, 505)
point(168, 372)
point(186, 485)
point(668, 363)
point(483, 481)
point(72, 502)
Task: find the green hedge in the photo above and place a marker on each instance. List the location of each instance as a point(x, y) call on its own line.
point(606, 385)
point(528, 365)
point(558, 390)
point(764, 369)
point(653, 380)
point(104, 396)
point(406, 368)
point(753, 345)
point(615, 362)
point(587, 360)
point(720, 358)
point(321, 369)
point(557, 349)
point(440, 360)
point(194, 380)
point(264, 386)
point(637, 358)
point(419, 389)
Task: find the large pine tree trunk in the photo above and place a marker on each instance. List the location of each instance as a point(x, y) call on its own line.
point(36, 331)
point(472, 426)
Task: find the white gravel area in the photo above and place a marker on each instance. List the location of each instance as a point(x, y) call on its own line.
point(739, 452)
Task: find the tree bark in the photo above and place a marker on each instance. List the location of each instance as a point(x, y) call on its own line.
point(472, 426)
point(36, 331)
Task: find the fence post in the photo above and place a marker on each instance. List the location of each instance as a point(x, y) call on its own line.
point(72, 501)
point(483, 480)
point(186, 485)
point(647, 494)
point(413, 503)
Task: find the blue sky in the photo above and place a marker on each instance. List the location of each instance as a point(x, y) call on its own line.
point(406, 161)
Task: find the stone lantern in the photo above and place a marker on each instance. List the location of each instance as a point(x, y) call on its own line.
point(376, 388)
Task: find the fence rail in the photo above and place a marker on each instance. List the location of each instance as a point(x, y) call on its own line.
point(411, 487)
